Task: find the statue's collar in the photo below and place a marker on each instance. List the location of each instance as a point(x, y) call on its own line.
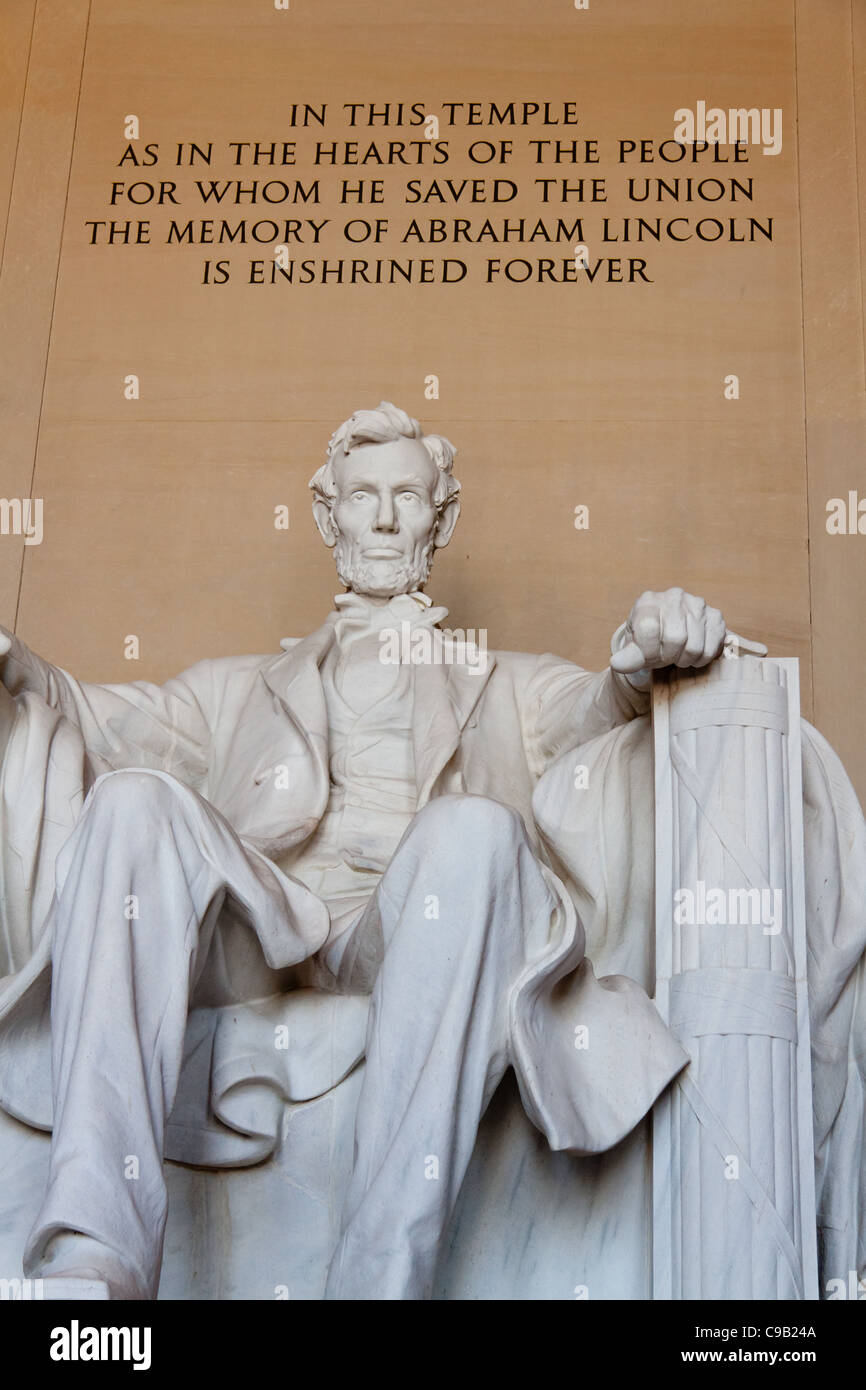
point(294, 675)
point(351, 599)
point(358, 615)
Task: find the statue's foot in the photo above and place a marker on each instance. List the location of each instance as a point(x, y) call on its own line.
point(76, 1266)
point(75, 1286)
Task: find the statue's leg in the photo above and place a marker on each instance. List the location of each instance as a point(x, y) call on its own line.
point(140, 884)
point(463, 906)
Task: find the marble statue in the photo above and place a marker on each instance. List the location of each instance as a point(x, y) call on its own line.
point(221, 893)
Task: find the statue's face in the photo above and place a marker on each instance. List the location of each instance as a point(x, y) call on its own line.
point(384, 520)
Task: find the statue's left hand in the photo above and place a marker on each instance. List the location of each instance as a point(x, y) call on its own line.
point(673, 628)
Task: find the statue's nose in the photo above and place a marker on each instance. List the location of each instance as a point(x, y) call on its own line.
point(386, 519)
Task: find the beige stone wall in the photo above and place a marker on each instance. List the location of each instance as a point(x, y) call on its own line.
point(158, 513)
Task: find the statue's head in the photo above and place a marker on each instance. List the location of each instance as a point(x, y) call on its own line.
point(385, 499)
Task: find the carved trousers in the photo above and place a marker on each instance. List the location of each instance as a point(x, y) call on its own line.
point(462, 907)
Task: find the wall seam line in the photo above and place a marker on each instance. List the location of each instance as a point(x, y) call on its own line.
point(812, 690)
point(54, 295)
point(18, 141)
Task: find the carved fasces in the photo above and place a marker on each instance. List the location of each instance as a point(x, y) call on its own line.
point(733, 1161)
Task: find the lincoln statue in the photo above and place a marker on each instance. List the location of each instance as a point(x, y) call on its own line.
point(183, 862)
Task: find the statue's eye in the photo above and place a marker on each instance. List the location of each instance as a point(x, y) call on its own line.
point(359, 496)
point(408, 497)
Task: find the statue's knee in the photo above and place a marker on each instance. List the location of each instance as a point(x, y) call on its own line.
point(135, 797)
point(468, 822)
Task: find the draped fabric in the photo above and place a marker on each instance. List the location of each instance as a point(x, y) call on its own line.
point(601, 841)
point(234, 1082)
point(493, 734)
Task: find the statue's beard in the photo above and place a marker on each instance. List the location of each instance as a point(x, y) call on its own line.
point(382, 578)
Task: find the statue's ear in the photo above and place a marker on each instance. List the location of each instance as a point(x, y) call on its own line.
point(447, 521)
point(322, 517)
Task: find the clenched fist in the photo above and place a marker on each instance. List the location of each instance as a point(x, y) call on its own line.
point(672, 628)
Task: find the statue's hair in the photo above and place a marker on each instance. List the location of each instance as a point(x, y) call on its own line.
point(380, 426)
